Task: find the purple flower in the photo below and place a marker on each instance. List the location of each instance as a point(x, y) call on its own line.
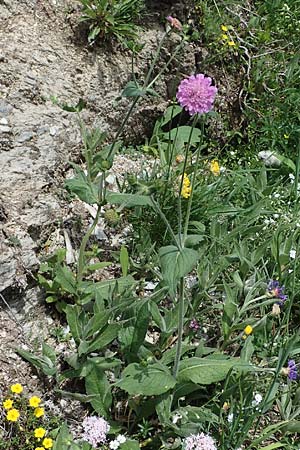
point(199, 442)
point(196, 94)
point(95, 430)
point(174, 22)
point(277, 291)
point(292, 370)
point(194, 325)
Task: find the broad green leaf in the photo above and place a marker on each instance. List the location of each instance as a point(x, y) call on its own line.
point(128, 200)
point(132, 89)
point(170, 113)
point(64, 439)
point(86, 191)
point(130, 445)
point(73, 313)
point(184, 134)
point(97, 266)
point(104, 288)
point(146, 380)
point(133, 337)
point(41, 362)
point(193, 239)
point(49, 353)
point(96, 323)
point(124, 260)
point(208, 370)
point(96, 384)
point(163, 409)
point(176, 263)
point(66, 279)
point(101, 341)
point(197, 414)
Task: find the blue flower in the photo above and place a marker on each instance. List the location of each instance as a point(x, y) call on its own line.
point(277, 291)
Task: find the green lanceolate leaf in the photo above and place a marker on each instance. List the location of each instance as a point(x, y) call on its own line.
point(128, 200)
point(132, 89)
point(208, 370)
point(43, 363)
point(96, 384)
point(124, 260)
point(85, 190)
point(130, 445)
point(64, 439)
point(75, 321)
point(138, 379)
point(176, 263)
point(66, 279)
point(133, 337)
point(100, 341)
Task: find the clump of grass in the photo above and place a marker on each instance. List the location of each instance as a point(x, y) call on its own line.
point(110, 19)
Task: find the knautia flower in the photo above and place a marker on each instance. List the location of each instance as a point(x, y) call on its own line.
point(291, 370)
point(194, 325)
point(95, 430)
point(199, 442)
point(275, 290)
point(196, 94)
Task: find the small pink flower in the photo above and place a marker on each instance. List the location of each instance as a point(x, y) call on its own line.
point(174, 23)
point(95, 430)
point(199, 442)
point(196, 94)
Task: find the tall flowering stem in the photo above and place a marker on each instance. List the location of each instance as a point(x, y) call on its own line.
point(180, 327)
point(195, 94)
point(182, 178)
point(190, 200)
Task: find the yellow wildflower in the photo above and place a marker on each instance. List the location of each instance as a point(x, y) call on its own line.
point(186, 187)
point(39, 448)
point(179, 159)
point(39, 412)
point(16, 388)
point(224, 28)
point(47, 443)
point(224, 37)
point(39, 433)
point(7, 404)
point(226, 406)
point(13, 415)
point(231, 43)
point(215, 168)
point(34, 401)
point(248, 330)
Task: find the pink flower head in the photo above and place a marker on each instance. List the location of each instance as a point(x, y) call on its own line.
point(95, 430)
point(199, 442)
point(196, 94)
point(174, 22)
